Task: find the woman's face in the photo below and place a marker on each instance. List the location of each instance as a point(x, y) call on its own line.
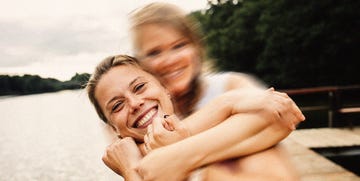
point(130, 99)
point(166, 53)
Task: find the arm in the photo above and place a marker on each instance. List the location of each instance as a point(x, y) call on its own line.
point(179, 159)
point(276, 110)
point(273, 106)
point(252, 134)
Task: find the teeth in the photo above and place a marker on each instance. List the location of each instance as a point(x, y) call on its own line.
point(174, 73)
point(146, 118)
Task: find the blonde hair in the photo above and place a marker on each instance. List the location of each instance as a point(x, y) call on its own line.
point(103, 67)
point(173, 16)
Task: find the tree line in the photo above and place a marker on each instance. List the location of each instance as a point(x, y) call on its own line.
point(288, 44)
point(32, 84)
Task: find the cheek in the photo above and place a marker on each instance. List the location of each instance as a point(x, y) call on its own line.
point(185, 56)
point(118, 123)
point(167, 104)
point(195, 58)
point(150, 66)
point(191, 58)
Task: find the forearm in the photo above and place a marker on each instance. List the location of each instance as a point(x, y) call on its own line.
point(227, 138)
point(215, 144)
point(213, 113)
point(266, 103)
point(264, 139)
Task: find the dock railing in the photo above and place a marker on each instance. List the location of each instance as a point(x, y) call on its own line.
point(342, 100)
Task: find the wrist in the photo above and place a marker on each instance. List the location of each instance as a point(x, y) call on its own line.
point(131, 175)
point(191, 159)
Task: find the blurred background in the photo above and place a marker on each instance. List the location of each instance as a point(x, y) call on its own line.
point(310, 49)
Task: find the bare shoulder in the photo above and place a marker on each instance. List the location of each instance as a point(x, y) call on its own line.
point(237, 80)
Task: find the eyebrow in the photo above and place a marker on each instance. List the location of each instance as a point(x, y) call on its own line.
point(116, 97)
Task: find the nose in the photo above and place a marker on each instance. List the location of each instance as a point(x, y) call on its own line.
point(135, 103)
point(166, 60)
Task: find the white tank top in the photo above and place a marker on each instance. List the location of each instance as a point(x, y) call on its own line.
point(215, 85)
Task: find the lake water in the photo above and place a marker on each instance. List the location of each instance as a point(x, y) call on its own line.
point(52, 136)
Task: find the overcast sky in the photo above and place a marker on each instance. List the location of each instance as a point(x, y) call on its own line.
point(57, 38)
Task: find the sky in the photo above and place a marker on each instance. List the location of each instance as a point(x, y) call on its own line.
point(58, 38)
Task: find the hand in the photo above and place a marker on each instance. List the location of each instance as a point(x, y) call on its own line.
point(165, 131)
point(122, 157)
point(289, 113)
point(164, 163)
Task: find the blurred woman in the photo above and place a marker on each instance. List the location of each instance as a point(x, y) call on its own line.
point(169, 45)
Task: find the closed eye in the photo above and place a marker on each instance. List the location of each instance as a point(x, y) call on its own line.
point(117, 106)
point(153, 53)
point(180, 45)
point(139, 87)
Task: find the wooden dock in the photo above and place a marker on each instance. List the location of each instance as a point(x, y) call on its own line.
point(326, 137)
point(312, 166)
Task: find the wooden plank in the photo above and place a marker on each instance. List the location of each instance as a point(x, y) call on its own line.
point(356, 130)
point(312, 166)
point(312, 90)
point(325, 137)
point(349, 110)
point(336, 176)
point(314, 108)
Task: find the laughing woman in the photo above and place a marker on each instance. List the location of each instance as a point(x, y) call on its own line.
point(135, 105)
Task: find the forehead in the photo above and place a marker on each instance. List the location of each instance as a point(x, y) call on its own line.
point(154, 34)
point(122, 75)
point(116, 81)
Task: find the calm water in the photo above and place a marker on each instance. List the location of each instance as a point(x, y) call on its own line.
point(53, 136)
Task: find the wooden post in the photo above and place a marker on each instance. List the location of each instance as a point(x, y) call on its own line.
point(331, 109)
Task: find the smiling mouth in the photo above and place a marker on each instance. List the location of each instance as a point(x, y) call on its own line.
point(146, 119)
point(173, 74)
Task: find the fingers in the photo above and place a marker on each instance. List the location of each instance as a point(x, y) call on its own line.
point(290, 112)
point(122, 154)
point(271, 89)
point(177, 126)
point(283, 113)
point(147, 147)
point(172, 122)
point(165, 124)
point(296, 110)
point(154, 135)
point(157, 125)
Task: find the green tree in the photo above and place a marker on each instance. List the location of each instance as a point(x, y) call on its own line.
point(310, 43)
point(78, 81)
point(286, 43)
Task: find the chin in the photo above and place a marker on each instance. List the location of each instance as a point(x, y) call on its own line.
point(179, 87)
point(178, 91)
